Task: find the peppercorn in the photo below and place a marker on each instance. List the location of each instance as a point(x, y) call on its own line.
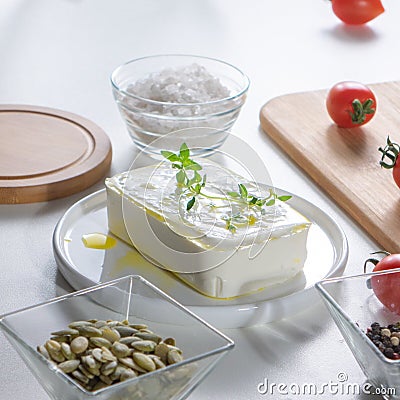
point(388, 352)
point(375, 326)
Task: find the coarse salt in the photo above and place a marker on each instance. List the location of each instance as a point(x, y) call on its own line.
point(183, 85)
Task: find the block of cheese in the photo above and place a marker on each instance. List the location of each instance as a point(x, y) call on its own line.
point(222, 246)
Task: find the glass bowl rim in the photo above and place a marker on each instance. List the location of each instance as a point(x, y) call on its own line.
point(229, 345)
point(246, 81)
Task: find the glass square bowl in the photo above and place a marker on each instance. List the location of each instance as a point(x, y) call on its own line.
point(354, 307)
point(137, 300)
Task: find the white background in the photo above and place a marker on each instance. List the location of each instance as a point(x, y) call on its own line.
point(60, 53)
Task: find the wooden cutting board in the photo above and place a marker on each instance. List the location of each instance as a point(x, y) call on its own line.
point(47, 154)
point(344, 162)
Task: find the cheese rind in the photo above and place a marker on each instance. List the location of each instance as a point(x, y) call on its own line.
point(147, 209)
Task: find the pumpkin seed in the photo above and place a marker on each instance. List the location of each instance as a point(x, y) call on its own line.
point(78, 324)
point(97, 353)
point(69, 366)
point(149, 336)
point(138, 326)
point(67, 352)
point(100, 342)
point(100, 324)
point(90, 331)
point(144, 361)
point(60, 339)
point(86, 372)
point(125, 331)
point(174, 357)
point(162, 351)
point(80, 377)
point(174, 348)
point(107, 380)
point(171, 341)
point(127, 374)
point(54, 350)
point(144, 345)
point(110, 334)
point(65, 332)
point(79, 344)
point(109, 368)
point(106, 355)
point(118, 371)
point(129, 340)
point(157, 361)
point(43, 351)
point(89, 361)
point(120, 349)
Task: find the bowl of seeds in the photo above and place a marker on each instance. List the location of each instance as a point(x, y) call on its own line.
point(124, 339)
point(370, 329)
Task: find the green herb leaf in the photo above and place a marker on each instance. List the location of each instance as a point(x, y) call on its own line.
point(233, 194)
point(169, 155)
point(254, 200)
point(193, 166)
point(190, 203)
point(180, 177)
point(196, 179)
point(197, 188)
point(184, 152)
point(284, 198)
point(270, 202)
point(242, 191)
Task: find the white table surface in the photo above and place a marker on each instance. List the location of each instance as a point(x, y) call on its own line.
point(60, 53)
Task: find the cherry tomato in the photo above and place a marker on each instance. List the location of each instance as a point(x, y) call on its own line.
point(390, 159)
point(350, 104)
point(387, 287)
point(357, 12)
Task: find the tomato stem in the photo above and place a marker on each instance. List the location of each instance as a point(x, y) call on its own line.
point(374, 261)
point(391, 152)
point(361, 110)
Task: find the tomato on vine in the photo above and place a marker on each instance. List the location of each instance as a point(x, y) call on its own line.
point(357, 12)
point(350, 104)
point(390, 159)
point(386, 287)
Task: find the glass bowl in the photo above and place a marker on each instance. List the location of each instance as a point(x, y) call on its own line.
point(354, 307)
point(131, 298)
point(201, 124)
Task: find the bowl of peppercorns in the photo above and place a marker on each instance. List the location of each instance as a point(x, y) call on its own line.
point(370, 328)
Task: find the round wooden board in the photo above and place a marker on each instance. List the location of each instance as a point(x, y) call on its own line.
point(47, 154)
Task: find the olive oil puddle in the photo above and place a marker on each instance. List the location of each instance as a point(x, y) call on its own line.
point(98, 241)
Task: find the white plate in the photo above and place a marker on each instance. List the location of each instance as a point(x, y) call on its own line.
point(83, 267)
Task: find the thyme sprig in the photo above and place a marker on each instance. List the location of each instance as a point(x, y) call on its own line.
point(189, 178)
point(184, 164)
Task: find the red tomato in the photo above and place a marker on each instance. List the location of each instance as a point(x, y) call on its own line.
point(357, 12)
point(387, 287)
point(396, 173)
point(350, 104)
point(390, 159)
